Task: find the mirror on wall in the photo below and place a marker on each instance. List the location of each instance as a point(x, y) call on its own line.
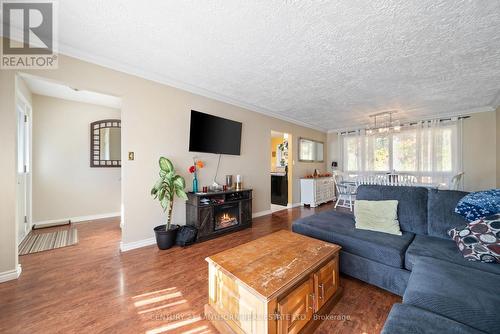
point(310, 150)
point(105, 143)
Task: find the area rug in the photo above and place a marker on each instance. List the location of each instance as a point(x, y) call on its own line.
point(40, 242)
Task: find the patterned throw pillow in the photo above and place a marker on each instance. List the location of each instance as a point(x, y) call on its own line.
point(479, 240)
point(479, 204)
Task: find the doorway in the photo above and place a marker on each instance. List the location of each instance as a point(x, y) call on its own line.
point(68, 161)
point(281, 170)
point(23, 175)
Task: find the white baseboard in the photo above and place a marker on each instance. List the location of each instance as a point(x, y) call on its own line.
point(11, 274)
point(81, 218)
point(261, 213)
point(268, 212)
point(124, 247)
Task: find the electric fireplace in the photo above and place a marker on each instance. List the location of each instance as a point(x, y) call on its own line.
point(217, 213)
point(226, 215)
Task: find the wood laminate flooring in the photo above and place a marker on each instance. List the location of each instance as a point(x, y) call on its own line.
point(94, 288)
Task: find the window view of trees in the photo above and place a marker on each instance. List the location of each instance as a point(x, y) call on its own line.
point(444, 158)
point(404, 148)
point(420, 151)
point(351, 147)
point(381, 154)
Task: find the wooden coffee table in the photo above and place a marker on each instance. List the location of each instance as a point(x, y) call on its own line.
point(276, 284)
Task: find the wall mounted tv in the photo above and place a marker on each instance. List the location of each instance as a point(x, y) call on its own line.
point(212, 134)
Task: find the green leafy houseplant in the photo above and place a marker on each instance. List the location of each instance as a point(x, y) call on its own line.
point(167, 187)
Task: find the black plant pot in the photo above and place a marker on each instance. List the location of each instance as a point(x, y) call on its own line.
point(166, 239)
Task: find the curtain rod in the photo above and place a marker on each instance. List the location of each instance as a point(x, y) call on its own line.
point(409, 124)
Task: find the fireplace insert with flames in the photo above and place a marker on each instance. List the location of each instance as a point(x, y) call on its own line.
point(226, 216)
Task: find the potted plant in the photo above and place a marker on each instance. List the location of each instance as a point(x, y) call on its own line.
point(165, 189)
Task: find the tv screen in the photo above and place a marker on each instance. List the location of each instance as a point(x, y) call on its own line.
point(212, 134)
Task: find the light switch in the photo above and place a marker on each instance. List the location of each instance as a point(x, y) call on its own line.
point(131, 155)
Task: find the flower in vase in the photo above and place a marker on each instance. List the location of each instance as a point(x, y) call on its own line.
point(192, 169)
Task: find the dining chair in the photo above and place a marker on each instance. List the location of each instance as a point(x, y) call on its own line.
point(346, 193)
point(406, 179)
point(456, 182)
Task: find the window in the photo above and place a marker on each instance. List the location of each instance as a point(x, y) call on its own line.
point(427, 150)
point(352, 154)
point(404, 148)
point(377, 154)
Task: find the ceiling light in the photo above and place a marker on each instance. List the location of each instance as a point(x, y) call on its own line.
point(387, 125)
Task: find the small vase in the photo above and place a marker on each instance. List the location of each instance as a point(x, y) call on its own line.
point(195, 184)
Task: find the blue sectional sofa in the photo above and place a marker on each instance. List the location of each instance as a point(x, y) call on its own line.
point(442, 292)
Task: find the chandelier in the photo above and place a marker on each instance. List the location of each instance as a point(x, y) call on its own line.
point(383, 123)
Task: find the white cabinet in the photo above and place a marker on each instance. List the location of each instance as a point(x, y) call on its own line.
point(316, 191)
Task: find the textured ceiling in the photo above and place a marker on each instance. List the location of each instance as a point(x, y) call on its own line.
point(325, 63)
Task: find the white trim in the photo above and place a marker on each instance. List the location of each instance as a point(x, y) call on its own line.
point(81, 218)
point(268, 212)
point(261, 213)
point(11, 274)
point(124, 247)
point(132, 70)
point(495, 103)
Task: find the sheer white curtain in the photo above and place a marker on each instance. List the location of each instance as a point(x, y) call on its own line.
point(430, 150)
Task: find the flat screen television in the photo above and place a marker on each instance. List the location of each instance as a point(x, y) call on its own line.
point(212, 134)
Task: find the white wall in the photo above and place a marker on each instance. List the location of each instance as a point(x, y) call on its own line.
point(479, 151)
point(8, 226)
point(155, 122)
point(64, 184)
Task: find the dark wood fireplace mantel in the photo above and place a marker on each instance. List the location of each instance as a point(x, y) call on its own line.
point(218, 213)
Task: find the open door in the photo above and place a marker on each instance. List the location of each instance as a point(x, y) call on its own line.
point(281, 170)
point(23, 111)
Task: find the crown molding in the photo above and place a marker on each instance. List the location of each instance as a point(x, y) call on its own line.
point(495, 103)
point(427, 118)
point(115, 65)
point(131, 70)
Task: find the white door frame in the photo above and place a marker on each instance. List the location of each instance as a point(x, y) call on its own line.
point(26, 110)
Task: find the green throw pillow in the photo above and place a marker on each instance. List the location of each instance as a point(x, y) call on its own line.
point(380, 216)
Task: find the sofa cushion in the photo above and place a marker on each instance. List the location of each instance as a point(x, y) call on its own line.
point(412, 204)
point(386, 277)
point(468, 296)
point(479, 204)
point(479, 240)
point(380, 216)
point(405, 318)
point(338, 228)
point(441, 212)
point(447, 250)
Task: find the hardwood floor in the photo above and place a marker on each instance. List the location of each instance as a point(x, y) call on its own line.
point(94, 288)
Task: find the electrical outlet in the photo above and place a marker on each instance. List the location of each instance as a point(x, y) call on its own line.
point(131, 155)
